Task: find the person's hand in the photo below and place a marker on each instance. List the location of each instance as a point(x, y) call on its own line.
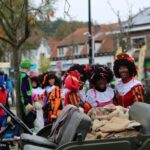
point(81, 109)
point(8, 119)
point(29, 107)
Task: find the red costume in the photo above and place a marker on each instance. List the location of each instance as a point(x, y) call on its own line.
point(71, 88)
point(74, 80)
point(3, 97)
point(129, 90)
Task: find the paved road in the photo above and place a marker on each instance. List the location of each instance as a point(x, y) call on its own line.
point(14, 148)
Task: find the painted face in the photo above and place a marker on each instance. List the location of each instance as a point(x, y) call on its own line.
point(101, 84)
point(51, 82)
point(124, 72)
point(81, 84)
point(34, 84)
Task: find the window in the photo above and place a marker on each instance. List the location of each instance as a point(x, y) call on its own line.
point(75, 50)
point(138, 42)
point(122, 43)
point(97, 46)
point(61, 52)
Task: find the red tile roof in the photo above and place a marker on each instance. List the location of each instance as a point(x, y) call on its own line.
point(75, 37)
point(78, 37)
point(107, 45)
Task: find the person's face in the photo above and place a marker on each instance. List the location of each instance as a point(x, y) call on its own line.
point(124, 72)
point(81, 84)
point(51, 82)
point(34, 84)
point(101, 84)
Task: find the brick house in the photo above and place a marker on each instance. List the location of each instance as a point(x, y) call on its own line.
point(74, 48)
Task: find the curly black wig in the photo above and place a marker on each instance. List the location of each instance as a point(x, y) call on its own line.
point(36, 80)
point(130, 65)
point(81, 69)
point(100, 72)
point(47, 76)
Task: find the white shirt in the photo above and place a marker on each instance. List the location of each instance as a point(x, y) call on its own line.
point(124, 88)
point(93, 96)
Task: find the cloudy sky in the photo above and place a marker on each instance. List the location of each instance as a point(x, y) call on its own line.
point(101, 10)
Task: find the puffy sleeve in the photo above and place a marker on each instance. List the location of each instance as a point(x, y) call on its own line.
point(56, 93)
point(138, 93)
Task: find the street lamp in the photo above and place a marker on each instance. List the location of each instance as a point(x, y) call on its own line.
point(90, 41)
point(89, 36)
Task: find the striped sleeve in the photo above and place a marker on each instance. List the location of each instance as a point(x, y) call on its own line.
point(138, 93)
point(56, 93)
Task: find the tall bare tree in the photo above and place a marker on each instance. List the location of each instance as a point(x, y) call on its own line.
point(15, 19)
point(124, 32)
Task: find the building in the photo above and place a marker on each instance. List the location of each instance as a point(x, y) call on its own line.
point(74, 48)
point(137, 34)
point(35, 54)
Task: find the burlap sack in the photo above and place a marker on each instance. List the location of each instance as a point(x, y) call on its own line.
point(97, 124)
point(116, 125)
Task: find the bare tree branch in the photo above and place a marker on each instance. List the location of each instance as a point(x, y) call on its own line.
point(21, 15)
point(7, 41)
point(3, 17)
point(6, 31)
point(9, 8)
point(112, 8)
point(26, 26)
point(35, 9)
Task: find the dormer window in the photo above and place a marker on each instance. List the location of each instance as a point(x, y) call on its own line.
point(75, 50)
point(138, 42)
point(61, 52)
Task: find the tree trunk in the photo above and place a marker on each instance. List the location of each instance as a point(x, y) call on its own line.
point(16, 60)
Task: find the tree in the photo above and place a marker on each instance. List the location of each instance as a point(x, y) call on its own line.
point(60, 28)
point(44, 64)
point(16, 16)
point(124, 32)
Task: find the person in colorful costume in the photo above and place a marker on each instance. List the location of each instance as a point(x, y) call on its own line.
point(3, 98)
point(101, 93)
point(38, 98)
point(53, 92)
point(74, 81)
point(28, 112)
point(129, 90)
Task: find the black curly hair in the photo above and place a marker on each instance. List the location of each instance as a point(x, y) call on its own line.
point(131, 68)
point(35, 79)
point(47, 76)
point(80, 69)
point(100, 72)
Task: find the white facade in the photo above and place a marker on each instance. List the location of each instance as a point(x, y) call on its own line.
point(65, 64)
point(34, 54)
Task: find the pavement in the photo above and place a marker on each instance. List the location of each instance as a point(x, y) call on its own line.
point(14, 148)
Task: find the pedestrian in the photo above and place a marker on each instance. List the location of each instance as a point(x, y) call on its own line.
point(38, 98)
point(28, 112)
point(9, 88)
point(101, 93)
point(3, 98)
point(129, 89)
point(74, 81)
point(53, 105)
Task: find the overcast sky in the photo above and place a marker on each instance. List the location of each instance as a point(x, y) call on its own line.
point(101, 11)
